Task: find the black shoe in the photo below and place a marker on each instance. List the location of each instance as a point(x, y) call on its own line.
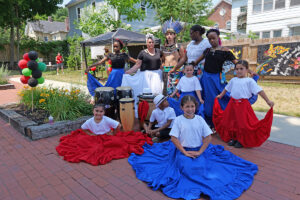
point(231, 142)
point(238, 145)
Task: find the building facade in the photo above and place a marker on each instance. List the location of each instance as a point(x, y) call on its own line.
point(75, 8)
point(222, 15)
point(266, 18)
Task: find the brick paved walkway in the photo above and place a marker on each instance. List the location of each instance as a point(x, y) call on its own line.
point(33, 170)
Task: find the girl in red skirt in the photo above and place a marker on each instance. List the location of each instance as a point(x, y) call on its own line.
point(238, 124)
point(100, 141)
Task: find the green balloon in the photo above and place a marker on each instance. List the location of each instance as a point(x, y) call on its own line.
point(91, 72)
point(26, 72)
point(41, 80)
point(42, 66)
point(37, 60)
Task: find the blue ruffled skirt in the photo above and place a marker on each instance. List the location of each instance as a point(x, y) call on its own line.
point(211, 87)
point(114, 80)
point(217, 173)
point(175, 104)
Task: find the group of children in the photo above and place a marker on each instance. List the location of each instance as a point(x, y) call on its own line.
point(188, 165)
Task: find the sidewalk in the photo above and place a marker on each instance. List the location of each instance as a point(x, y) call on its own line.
point(33, 169)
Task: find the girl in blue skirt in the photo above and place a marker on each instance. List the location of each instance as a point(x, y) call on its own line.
point(188, 165)
point(188, 85)
point(210, 80)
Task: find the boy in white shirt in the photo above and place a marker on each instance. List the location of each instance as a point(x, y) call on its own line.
point(163, 115)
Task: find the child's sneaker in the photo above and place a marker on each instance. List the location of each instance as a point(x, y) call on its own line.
point(238, 145)
point(232, 142)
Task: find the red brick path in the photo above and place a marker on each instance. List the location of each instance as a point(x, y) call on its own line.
point(33, 170)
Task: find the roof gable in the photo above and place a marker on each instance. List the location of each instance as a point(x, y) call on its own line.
point(47, 26)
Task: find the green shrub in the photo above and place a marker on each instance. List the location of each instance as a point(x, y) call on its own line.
point(61, 103)
point(4, 73)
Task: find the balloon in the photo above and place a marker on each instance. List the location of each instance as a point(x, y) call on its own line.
point(93, 68)
point(22, 63)
point(32, 64)
point(33, 55)
point(41, 80)
point(42, 66)
point(91, 72)
point(37, 60)
point(109, 69)
point(36, 74)
point(24, 79)
point(109, 62)
point(85, 73)
point(25, 56)
point(32, 82)
point(26, 72)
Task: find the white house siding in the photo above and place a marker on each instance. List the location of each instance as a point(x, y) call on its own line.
point(276, 19)
point(236, 4)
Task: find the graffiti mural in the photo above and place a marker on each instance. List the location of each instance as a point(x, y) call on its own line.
point(279, 59)
point(228, 65)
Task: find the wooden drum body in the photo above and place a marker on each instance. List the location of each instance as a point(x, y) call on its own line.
point(105, 95)
point(127, 113)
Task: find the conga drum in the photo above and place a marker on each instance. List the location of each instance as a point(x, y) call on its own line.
point(149, 99)
point(127, 113)
point(105, 95)
point(122, 92)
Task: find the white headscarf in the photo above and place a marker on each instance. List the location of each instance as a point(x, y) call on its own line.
point(150, 36)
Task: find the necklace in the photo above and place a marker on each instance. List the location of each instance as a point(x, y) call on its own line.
point(152, 54)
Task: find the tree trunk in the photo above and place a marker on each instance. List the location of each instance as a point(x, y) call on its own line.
point(18, 35)
point(12, 45)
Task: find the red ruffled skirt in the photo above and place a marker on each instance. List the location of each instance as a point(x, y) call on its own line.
point(239, 122)
point(100, 149)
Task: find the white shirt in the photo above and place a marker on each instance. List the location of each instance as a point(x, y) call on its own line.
point(242, 88)
point(162, 116)
point(194, 51)
point(190, 131)
point(102, 127)
point(188, 84)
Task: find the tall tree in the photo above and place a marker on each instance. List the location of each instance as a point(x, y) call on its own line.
point(15, 12)
point(188, 11)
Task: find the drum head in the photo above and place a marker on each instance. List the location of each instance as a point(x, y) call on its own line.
point(124, 88)
point(126, 100)
point(104, 89)
point(146, 96)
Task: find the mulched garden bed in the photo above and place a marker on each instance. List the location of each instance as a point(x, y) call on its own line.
point(39, 116)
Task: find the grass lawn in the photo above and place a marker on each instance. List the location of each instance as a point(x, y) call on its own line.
point(285, 96)
point(70, 76)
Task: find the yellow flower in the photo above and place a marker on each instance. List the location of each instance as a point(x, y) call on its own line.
point(42, 94)
point(42, 100)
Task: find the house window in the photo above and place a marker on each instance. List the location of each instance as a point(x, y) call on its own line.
point(54, 37)
point(257, 34)
point(266, 34)
point(257, 5)
point(243, 9)
point(295, 31)
point(46, 39)
point(216, 25)
point(295, 2)
point(277, 33)
point(78, 13)
point(279, 4)
point(228, 25)
point(143, 6)
point(268, 5)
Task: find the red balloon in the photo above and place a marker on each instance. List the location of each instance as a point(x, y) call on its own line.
point(26, 57)
point(24, 79)
point(93, 68)
point(109, 62)
point(109, 69)
point(23, 63)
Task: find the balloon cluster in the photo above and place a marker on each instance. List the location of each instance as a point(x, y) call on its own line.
point(30, 67)
point(109, 66)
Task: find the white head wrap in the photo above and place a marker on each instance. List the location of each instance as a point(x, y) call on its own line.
point(150, 36)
